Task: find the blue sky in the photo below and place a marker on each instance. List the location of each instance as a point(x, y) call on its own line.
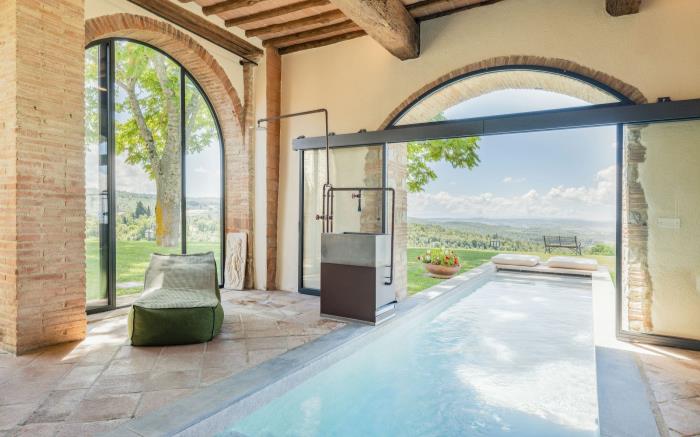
point(562, 174)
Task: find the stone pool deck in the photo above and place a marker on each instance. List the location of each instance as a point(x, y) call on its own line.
point(93, 386)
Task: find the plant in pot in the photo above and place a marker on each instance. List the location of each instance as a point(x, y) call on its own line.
point(440, 263)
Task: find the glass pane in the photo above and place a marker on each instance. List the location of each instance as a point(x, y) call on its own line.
point(95, 186)
point(350, 167)
point(147, 162)
point(661, 229)
point(203, 176)
point(492, 93)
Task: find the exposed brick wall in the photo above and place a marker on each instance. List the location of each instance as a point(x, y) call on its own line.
point(238, 153)
point(397, 173)
point(249, 141)
point(273, 66)
point(8, 178)
point(43, 282)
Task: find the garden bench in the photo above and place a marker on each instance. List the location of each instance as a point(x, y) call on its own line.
point(558, 242)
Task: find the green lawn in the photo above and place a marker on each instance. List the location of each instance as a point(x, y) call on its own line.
point(132, 260)
point(418, 280)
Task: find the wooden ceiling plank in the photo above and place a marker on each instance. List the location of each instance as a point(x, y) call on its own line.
point(275, 12)
point(295, 38)
point(618, 8)
point(322, 42)
point(201, 27)
point(229, 5)
point(388, 22)
point(290, 26)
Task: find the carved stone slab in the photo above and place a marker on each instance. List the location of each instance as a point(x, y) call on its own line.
point(234, 273)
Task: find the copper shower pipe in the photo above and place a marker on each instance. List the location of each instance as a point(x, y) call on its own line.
point(327, 196)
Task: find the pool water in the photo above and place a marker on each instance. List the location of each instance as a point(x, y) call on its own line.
point(514, 357)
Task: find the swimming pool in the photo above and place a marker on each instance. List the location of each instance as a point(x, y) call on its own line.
point(514, 356)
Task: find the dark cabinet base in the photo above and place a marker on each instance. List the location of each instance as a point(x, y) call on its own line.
point(356, 293)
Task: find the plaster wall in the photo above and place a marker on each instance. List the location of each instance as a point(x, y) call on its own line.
point(671, 181)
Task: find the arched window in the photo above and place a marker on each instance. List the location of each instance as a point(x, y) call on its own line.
point(479, 94)
point(153, 167)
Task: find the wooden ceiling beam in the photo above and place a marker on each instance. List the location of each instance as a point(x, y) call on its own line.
point(294, 25)
point(275, 12)
point(617, 8)
point(229, 5)
point(321, 42)
point(317, 33)
point(425, 10)
point(201, 27)
point(388, 22)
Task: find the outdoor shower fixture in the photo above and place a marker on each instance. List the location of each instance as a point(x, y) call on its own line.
point(355, 283)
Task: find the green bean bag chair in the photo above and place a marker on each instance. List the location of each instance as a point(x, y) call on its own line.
point(180, 303)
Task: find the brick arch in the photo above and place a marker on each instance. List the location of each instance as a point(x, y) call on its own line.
point(225, 101)
point(560, 65)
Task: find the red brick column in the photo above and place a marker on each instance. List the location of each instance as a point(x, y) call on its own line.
point(273, 66)
point(42, 186)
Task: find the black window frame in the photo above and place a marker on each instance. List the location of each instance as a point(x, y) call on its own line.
point(106, 78)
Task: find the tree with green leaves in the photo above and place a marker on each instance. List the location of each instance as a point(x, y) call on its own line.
point(459, 152)
point(148, 127)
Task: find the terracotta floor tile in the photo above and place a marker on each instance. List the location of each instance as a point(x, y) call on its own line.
point(88, 429)
point(262, 343)
point(105, 408)
point(58, 406)
point(156, 399)
point(118, 384)
point(80, 377)
point(682, 415)
point(168, 380)
point(35, 430)
point(13, 415)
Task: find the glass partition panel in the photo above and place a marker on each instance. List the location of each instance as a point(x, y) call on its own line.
point(360, 166)
point(202, 176)
point(661, 229)
point(147, 162)
point(96, 196)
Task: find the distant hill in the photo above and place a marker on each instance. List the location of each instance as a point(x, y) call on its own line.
point(519, 234)
point(126, 202)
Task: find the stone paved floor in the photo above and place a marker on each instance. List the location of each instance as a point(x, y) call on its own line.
point(674, 379)
point(95, 385)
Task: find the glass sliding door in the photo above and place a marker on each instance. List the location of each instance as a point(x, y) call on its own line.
point(153, 168)
point(203, 188)
point(360, 166)
point(660, 286)
point(96, 196)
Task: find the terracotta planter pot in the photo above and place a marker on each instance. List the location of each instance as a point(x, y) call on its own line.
point(442, 272)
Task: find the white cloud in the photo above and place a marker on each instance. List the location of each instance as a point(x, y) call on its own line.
point(512, 180)
point(595, 202)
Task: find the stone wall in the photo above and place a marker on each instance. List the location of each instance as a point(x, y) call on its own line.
point(42, 187)
point(397, 161)
point(636, 282)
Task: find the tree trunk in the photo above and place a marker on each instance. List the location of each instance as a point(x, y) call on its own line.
point(168, 201)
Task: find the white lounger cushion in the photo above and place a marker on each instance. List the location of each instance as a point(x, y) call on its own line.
point(570, 262)
point(512, 259)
